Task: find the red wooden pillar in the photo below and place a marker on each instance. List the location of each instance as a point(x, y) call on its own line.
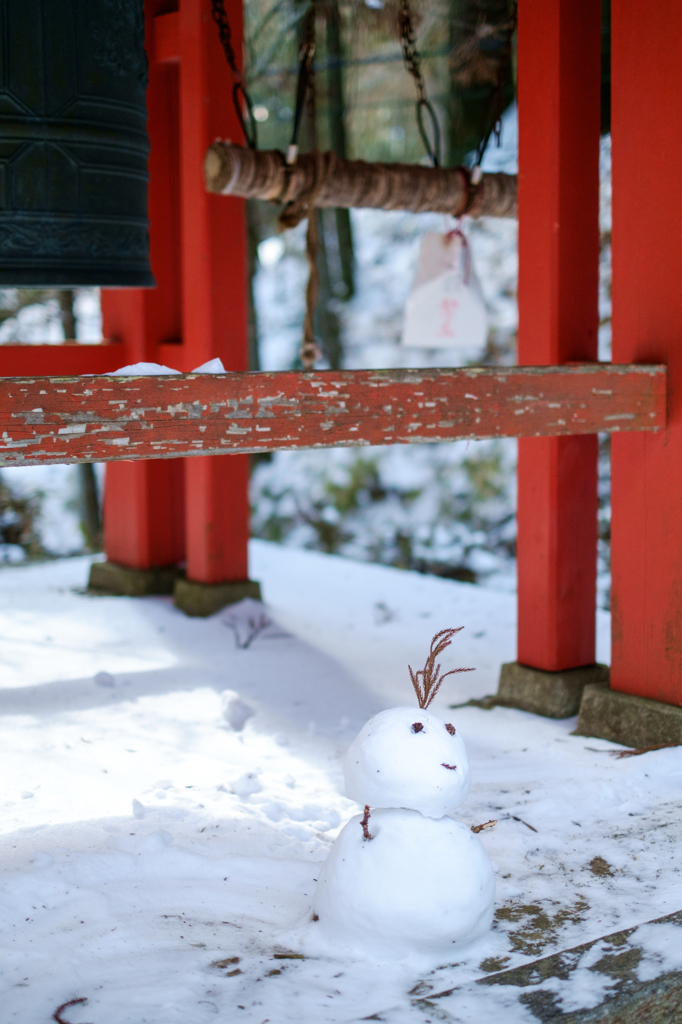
point(144, 502)
point(214, 288)
point(558, 97)
point(647, 326)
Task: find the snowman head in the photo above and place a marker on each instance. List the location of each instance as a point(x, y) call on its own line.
point(408, 757)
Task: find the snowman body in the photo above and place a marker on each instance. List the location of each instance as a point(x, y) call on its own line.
point(422, 884)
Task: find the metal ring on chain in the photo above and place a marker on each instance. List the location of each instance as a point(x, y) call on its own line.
point(433, 150)
point(250, 130)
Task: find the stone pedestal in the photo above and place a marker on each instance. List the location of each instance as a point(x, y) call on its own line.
point(111, 578)
point(552, 694)
point(623, 718)
point(203, 599)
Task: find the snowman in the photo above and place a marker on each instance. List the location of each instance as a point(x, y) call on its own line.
point(405, 880)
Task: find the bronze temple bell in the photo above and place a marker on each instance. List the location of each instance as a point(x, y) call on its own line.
point(73, 144)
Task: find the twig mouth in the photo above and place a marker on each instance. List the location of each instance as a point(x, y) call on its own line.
point(452, 767)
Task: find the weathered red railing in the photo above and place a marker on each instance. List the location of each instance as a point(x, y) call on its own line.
point(103, 419)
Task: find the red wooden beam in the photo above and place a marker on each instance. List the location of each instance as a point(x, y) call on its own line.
point(102, 419)
point(647, 315)
point(63, 359)
point(214, 286)
point(558, 96)
point(166, 46)
point(144, 502)
point(144, 521)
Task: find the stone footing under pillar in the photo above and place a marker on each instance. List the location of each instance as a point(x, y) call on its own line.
point(552, 694)
point(110, 578)
point(623, 718)
point(203, 599)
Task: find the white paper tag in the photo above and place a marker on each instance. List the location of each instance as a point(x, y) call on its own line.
point(445, 308)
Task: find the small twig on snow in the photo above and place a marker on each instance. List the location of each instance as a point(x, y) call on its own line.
point(486, 824)
point(365, 823)
point(255, 627)
point(57, 1015)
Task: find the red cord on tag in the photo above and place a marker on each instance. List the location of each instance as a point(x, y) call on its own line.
point(466, 252)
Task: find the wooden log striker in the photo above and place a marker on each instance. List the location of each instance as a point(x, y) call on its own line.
point(325, 180)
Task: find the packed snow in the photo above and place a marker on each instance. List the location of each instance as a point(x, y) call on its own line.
point(425, 884)
point(159, 370)
point(419, 890)
point(162, 838)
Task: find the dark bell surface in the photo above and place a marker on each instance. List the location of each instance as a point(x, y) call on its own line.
point(73, 144)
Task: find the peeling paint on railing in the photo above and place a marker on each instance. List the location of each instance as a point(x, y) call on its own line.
point(59, 419)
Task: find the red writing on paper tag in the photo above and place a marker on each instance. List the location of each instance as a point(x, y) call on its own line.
point(445, 308)
point(448, 308)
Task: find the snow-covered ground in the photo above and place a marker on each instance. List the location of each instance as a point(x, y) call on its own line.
point(153, 859)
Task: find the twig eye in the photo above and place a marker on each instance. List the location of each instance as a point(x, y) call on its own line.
point(451, 729)
point(417, 727)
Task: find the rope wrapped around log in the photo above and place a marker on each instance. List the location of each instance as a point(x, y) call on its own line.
point(325, 180)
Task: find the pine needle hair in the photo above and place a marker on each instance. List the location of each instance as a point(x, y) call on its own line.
point(427, 681)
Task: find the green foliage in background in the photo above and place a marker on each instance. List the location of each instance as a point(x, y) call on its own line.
point(441, 509)
point(18, 520)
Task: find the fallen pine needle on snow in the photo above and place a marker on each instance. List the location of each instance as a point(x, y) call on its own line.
point(641, 750)
point(521, 821)
point(57, 1015)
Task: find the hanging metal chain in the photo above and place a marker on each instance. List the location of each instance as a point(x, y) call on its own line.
point(305, 86)
point(305, 91)
point(239, 92)
point(497, 98)
point(408, 43)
